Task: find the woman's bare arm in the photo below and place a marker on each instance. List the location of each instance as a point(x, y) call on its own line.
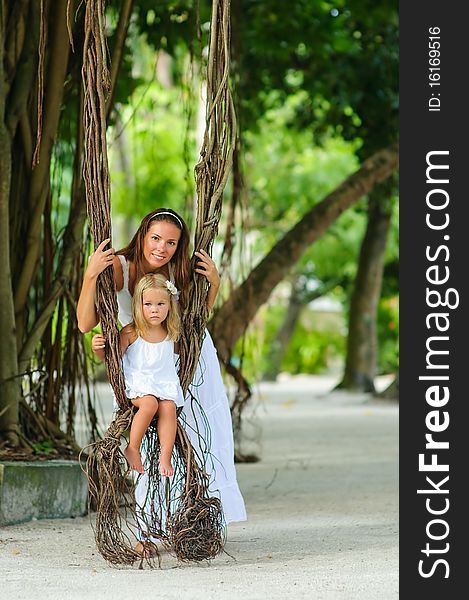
point(86, 308)
point(212, 295)
point(207, 267)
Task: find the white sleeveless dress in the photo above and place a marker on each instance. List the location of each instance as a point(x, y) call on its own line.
point(208, 418)
point(149, 369)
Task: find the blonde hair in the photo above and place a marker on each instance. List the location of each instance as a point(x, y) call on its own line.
point(155, 281)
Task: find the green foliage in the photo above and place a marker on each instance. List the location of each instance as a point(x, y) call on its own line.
point(44, 447)
point(388, 335)
point(314, 347)
point(169, 23)
point(287, 173)
point(317, 343)
point(147, 156)
point(252, 348)
point(344, 55)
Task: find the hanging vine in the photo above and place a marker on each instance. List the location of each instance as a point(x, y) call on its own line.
point(212, 173)
point(183, 516)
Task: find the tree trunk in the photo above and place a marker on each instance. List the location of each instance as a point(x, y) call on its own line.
point(299, 298)
point(392, 391)
point(279, 344)
point(39, 183)
point(9, 382)
point(232, 319)
point(10, 388)
point(362, 341)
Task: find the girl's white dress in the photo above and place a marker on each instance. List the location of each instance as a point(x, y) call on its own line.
point(207, 419)
point(149, 369)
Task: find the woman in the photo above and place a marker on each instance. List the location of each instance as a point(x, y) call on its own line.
point(161, 245)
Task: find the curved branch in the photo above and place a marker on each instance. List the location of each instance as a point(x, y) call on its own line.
point(116, 61)
point(24, 72)
point(15, 35)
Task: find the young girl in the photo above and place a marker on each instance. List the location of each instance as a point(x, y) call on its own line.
point(151, 381)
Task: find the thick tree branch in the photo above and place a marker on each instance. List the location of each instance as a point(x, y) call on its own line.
point(25, 72)
point(116, 61)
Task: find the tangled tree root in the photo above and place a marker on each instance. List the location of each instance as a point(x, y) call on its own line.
point(196, 528)
point(110, 491)
point(193, 532)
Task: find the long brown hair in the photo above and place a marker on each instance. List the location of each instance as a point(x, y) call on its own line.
point(133, 252)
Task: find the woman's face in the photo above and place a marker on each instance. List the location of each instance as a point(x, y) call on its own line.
point(160, 244)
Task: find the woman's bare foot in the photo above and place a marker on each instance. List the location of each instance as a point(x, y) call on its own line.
point(134, 459)
point(146, 549)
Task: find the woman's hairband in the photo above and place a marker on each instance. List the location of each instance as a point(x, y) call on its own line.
point(165, 212)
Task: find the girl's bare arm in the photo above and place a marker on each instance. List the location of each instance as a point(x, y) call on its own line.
point(127, 337)
point(97, 345)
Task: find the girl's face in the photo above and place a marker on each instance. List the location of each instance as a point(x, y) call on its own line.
point(160, 244)
point(155, 306)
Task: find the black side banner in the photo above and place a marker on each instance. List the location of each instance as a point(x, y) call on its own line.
point(434, 191)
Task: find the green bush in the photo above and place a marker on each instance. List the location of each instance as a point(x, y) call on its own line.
point(388, 335)
point(317, 341)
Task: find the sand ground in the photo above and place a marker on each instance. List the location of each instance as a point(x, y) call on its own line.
point(322, 516)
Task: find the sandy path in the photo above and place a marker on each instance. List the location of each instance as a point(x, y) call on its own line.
point(322, 508)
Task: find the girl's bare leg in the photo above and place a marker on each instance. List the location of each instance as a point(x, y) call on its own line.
point(167, 434)
point(147, 408)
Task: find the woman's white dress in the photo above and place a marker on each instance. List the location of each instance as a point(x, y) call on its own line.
point(207, 419)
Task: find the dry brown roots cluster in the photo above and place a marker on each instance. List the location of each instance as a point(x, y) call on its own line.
point(182, 515)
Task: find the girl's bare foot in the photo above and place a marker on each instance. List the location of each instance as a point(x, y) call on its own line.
point(166, 468)
point(146, 549)
point(133, 458)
